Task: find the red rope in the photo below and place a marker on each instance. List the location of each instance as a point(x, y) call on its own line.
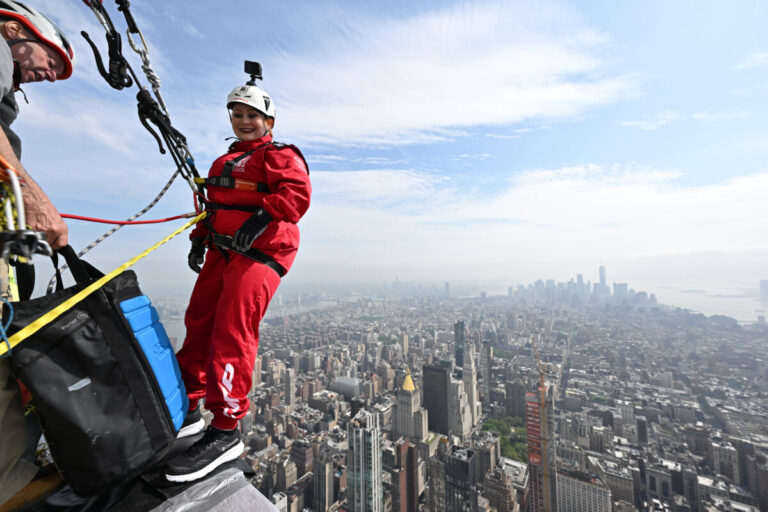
point(126, 222)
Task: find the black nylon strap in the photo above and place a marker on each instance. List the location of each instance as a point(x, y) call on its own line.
point(25, 279)
point(59, 281)
point(223, 206)
point(229, 165)
point(221, 181)
point(225, 242)
point(76, 265)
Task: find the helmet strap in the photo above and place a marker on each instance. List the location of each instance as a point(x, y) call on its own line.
point(16, 76)
point(17, 80)
point(12, 42)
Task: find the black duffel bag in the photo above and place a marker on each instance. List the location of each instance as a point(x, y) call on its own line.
point(100, 406)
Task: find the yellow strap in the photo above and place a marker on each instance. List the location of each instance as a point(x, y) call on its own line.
point(199, 180)
point(53, 314)
point(14, 286)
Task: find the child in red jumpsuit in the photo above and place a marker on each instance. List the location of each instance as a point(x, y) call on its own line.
point(257, 192)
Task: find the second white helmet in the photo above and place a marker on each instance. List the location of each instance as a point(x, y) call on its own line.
point(254, 97)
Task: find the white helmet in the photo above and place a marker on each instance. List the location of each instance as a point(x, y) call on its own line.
point(254, 97)
point(43, 29)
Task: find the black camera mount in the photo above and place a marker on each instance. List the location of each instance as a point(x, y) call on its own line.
point(254, 69)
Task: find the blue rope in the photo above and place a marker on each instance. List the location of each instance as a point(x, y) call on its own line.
point(4, 327)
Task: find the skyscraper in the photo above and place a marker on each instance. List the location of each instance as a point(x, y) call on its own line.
point(459, 411)
point(301, 454)
point(469, 376)
point(364, 474)
point(601, 288)
point(437, 468)
point(256, 375)
point(286, 474)
point(486, 369)
point(290, 388)
point(436, 383)
point(540, 422)
point(499, 490)
point(410, 419)
point(460, 480)
point(405, 489)
point(579, 493)
point(459, 340)
point(323, 481)
point(515, 396)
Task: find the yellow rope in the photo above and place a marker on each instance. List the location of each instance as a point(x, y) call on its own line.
point(53, 314)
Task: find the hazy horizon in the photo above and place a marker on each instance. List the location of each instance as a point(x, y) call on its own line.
point(459, 141)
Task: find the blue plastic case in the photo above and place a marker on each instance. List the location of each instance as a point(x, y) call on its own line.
point(149, 332)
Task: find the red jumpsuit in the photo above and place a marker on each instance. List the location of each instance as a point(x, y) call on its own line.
point(232, 293)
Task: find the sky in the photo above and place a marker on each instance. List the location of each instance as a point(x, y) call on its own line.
point(489, 141)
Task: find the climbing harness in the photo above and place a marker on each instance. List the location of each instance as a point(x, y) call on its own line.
point(223, 243)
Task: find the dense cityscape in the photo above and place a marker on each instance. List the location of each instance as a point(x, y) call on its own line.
point(572, 396)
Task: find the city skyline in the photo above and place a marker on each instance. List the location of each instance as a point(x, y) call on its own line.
point(743, 304)
point(586, 400)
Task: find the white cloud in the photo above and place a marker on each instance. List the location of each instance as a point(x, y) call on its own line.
point(471, 156)
point(86, 118)
point(654, 123)
point(756, 60)
point(669, 117)
point(423, 226)
point(319, 158)
point(192, 30)
point(516, 133)
point(718, 116)
point(395, 81)
point(501, 136)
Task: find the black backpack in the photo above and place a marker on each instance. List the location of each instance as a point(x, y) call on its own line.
point(110, 399)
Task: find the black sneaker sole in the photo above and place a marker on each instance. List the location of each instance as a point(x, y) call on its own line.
point(229, 455)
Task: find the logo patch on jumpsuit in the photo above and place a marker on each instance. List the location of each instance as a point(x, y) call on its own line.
point(240, 166)
point(298, 162)
point(225, 386)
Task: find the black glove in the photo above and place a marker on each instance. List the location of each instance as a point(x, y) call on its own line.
point(196, 253)
point(250, 230)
